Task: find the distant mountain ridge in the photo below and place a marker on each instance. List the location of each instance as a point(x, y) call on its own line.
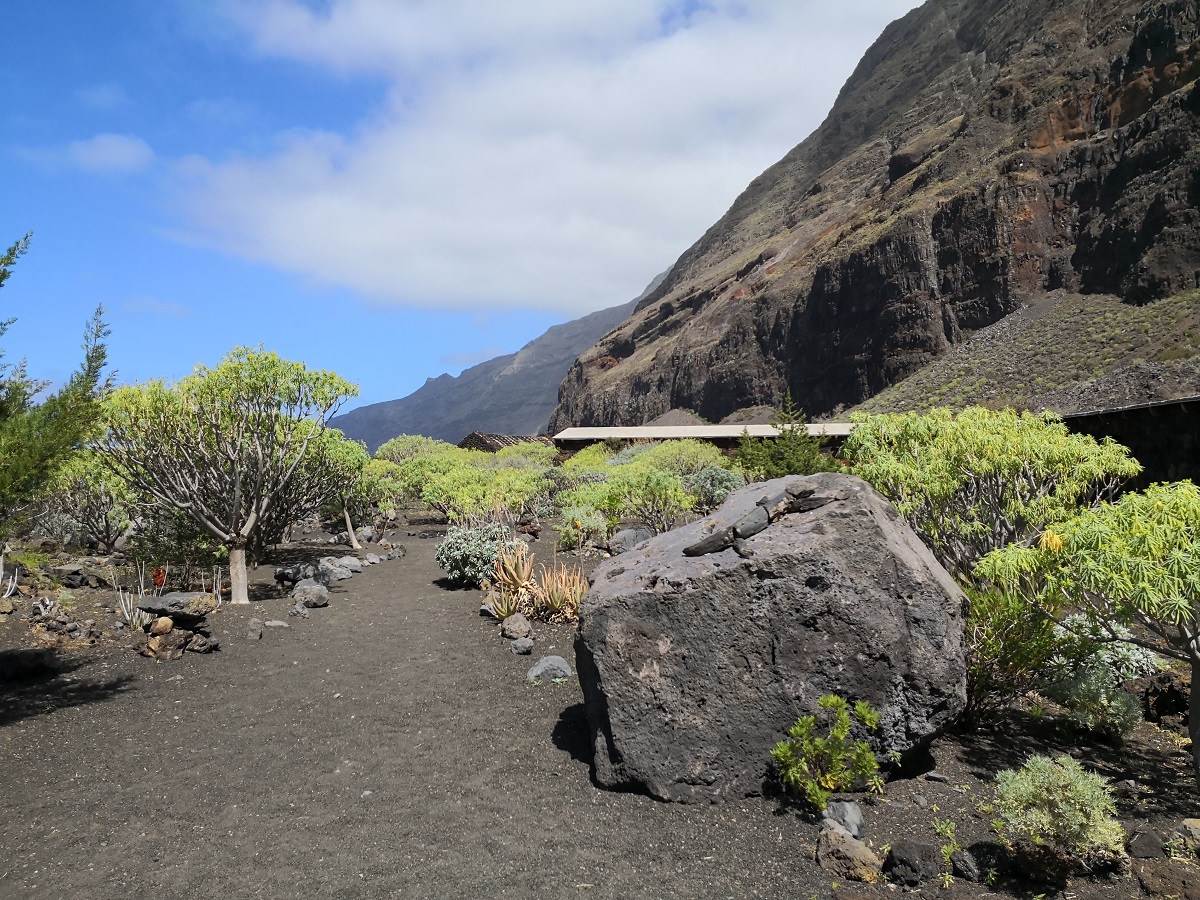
point(510, 394)
point(984, 155)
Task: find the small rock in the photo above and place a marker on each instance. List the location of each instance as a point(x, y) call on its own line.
point(201, 644)
point(486, 610)
point(844, 856)
point(396, 552)
point(6, 606)
point(548, 668)
point(965, 866)
point(311, 593)
point(255, 630)
point(299, 610)
point(516, 626)
point(627, 539)
point(938, 777)
point(276, 623)
point(920, 800)
point(353, 563)
point(161, 625)
point(522, 646)
point(911, 862)
point(371, 559)
point(1146, 843)
point(848, 814)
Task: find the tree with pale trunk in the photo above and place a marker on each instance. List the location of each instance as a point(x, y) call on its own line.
point(231, 446)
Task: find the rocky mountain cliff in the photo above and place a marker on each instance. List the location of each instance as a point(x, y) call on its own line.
point(510, 394)
point(983, 154)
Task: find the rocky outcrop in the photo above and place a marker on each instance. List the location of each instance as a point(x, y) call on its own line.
point(697, 653)
point(510, 394)
point(982, 153)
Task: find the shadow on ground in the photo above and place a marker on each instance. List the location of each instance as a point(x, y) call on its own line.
point(36, 682)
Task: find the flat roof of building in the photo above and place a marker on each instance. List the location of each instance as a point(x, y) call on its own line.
point(702, 432)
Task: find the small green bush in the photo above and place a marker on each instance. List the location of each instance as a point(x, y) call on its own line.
point(815, 766)
point(711, 486)
point(650, 496)
point(468, 554)
point(581, 525)
point(682, 457)
point(1092, 689)
point(1058, 804)
point(1093, 702)
point(793, 452)
point(1012, 648)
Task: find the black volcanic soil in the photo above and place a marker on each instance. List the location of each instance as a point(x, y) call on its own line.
point(390, 746)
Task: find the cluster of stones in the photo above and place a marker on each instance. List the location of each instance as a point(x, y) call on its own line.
point(47, 613)
point(178, 626)
point(310, 584)
point(517, 630)
point(844, 852)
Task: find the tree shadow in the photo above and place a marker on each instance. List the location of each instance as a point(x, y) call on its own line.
point(572, 736)
point(36, 682)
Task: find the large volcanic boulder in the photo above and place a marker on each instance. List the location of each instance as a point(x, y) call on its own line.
point(694, 666)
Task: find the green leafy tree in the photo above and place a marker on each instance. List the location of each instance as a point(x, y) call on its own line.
point(228, 445)
point(980, 479)
point(793, 452)
point(38, 439)
point(1133, 564)
point(94, 499)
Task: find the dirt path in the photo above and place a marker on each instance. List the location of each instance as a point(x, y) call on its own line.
point(389, 746)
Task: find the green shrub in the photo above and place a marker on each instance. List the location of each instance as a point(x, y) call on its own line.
point(1012, 648)
point(1057, 804)
point(973, 481)
point(468, 554)
point(815, 766)
point(627, 455)
point(654, 498)
point(581, 525)
point(1093, 702)
point(1092, 690)
point(593, 458)
point(683, 457)
point(710, 487)
point(793, 452)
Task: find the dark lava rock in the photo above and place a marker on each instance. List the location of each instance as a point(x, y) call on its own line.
point(186, 609)
point(522, 646)
point(911, 862)
point(691, 667)
point(627, 539)
point(1146, 843)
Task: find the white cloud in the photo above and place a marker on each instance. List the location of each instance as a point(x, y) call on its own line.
point(541, 154)
point(110, 153)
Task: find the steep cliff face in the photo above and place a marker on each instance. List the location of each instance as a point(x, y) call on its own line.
point(983, 153)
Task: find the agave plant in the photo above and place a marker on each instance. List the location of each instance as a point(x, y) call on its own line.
point(512, 580)
point(560, 593)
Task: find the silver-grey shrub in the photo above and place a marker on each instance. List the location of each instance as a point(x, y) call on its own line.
point(468, 554)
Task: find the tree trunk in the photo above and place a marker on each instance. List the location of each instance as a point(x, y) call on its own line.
point(237, 576)
point(350, 528)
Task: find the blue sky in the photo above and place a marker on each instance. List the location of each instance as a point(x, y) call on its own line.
point(390, 189)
